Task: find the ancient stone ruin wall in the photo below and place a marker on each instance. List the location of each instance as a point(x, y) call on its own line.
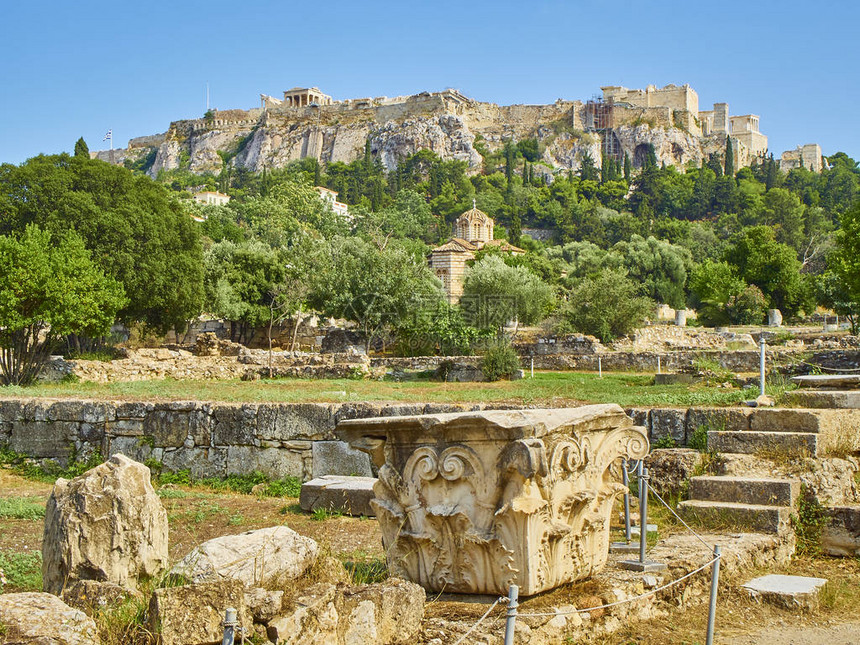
point(209, 439)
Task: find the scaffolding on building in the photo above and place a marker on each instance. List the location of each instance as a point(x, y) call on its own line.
point(598, 119)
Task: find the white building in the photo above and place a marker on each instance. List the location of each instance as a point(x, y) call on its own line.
point(330, 197)
point(211, 198)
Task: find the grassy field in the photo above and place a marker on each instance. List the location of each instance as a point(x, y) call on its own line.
point(550, 388)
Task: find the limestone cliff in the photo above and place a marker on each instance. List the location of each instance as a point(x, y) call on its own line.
point(447, 123)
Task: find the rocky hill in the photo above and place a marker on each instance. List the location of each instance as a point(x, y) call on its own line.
point(448, 123)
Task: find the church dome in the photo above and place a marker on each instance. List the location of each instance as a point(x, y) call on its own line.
point(474, 226)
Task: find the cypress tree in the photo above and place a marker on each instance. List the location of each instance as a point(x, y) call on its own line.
point(81, 148)
point(368, 160)
point(515, 230)
point(525, 173)
point(770, 180)
point(628, 170)
point(730, 158)
point(509, 163)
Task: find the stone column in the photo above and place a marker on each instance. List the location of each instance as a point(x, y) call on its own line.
point(681, 317)
point(472, 502)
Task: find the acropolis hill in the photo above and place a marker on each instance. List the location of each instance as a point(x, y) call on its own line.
point(308, 123)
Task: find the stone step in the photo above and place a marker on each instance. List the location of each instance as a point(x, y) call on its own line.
point(745, 490)
point(350, 495)
point(828, 381)
point(767, 519)
point(750, 442)
point(834, 399)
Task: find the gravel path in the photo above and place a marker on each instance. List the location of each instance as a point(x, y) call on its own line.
point(842, 634)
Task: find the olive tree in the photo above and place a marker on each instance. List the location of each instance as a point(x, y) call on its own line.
point(49, 287)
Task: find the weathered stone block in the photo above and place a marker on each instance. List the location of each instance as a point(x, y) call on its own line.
point(234, 425)
point(387, 613)
point(338, 458)
point(271, 558)
point(108, 524)
point(91, 596)
point(91, 432)
point(473, 502)
point(402, 409)
point(125, 427)
point(133, 409)
point(641, 417)
point(792, 592)
point(274, 462)
point(791, 420)
point(43, 439)
point(352, 495)
point(286, 422)
point(730, 419)
point(168, 428)
point(43, 618)
point(671, 422)
point(193, 614)
point(841, 535)
point(11, 410)
point(202, 462)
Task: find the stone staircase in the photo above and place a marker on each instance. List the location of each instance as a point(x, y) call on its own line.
point(758, 504)
point(788, 430)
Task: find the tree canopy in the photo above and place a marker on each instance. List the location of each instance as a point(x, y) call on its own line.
point(135, 229)
point(49, 287)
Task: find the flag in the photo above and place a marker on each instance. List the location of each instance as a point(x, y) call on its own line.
point(109, 135)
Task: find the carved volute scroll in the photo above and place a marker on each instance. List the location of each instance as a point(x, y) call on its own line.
point(472, 502)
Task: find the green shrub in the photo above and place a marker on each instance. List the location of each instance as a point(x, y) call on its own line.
point(500, 361)
point(808, 522)
point(606, 305)
point(666, 441)
point(699, 439)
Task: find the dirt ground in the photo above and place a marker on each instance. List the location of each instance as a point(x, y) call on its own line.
point(198, 514)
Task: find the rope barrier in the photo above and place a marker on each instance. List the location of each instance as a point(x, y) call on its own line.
point(481, 619)
point(647, 594)
point(678, 517)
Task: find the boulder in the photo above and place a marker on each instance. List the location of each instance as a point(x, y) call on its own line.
point(92, 595)
point(193, 614)
point(107, 525)
point(270, 558)
point(264, 604)
point(385, 613)
point(43, 619)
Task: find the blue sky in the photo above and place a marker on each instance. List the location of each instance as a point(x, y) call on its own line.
point(76, 69)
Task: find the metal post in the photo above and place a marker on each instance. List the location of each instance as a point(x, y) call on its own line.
point(658, 365)
point(533, 367)
point(600, 366)
point(230, 624)
point(762, 344)
point(511, 622)
point(626, 477)
point(715, 581)
point(643, 512)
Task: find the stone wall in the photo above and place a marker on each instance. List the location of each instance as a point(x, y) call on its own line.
point(209, 439)
point(737, 361)
point(161, 363)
